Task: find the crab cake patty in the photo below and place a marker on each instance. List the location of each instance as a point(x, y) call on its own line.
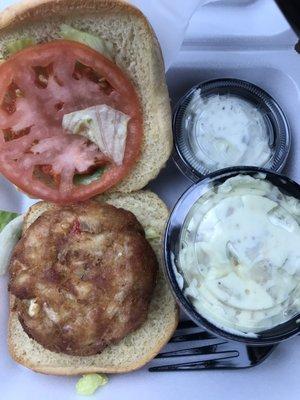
point(83, 276)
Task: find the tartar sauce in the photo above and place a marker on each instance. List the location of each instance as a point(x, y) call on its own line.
point(225, 130)
point(240, 255)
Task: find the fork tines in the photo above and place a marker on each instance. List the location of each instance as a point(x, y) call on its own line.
point(218, 351)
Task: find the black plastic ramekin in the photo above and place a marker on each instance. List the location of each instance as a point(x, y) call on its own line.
point(171, 248)
point(275, 120)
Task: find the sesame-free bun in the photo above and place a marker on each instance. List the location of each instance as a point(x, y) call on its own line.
point(138, 347)
point(137, 53)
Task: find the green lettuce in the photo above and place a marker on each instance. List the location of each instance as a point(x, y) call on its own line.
point(10, 233)
point(20, 44)
point(95, 42)
point(86, 179)
point(6, 217)
point(89, 383)
point(152, 234)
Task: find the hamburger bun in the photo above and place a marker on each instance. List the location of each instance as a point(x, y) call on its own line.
point(137, 348)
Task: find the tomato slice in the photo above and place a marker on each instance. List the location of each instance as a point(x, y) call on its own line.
point(38, 86)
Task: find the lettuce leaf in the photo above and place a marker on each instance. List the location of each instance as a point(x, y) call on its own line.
point(152, 234)
point(20, 44)
point(10, 233)
point(95, 42)
point(89, 383)
point(86, 179)
point(6, 217)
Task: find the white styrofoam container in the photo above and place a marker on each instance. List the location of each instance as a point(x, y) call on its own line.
point(246, 39)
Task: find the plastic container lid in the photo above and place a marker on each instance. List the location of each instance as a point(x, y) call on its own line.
point(275, 122)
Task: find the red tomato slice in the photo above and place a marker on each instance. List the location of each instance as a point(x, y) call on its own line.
point(40, 84)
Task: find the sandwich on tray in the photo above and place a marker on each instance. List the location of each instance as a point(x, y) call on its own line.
point(84, 125)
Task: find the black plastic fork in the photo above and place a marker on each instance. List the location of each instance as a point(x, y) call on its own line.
point(206, 352)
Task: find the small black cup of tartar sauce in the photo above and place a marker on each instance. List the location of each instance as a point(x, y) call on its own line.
point(224, 123)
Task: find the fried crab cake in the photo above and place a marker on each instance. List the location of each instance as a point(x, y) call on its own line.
point(83, 276)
